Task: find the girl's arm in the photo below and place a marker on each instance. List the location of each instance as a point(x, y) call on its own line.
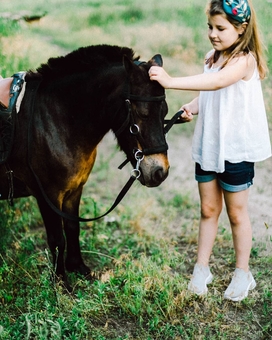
point(191, 107)
point(234, 71)
point(189, 110)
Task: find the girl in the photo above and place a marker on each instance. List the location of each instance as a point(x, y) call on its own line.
point(231, 134)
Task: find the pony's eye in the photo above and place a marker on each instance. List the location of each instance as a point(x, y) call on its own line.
point(143, 114)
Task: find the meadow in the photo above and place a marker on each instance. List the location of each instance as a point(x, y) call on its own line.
point(145, 250)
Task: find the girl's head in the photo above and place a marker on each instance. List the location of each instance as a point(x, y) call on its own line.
point(241, 15)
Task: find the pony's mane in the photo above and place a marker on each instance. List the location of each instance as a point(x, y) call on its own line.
point(84, 59)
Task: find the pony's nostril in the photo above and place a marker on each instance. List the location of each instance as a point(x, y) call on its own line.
point(159, 174)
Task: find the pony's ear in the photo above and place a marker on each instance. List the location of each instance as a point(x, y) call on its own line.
point(156, 60)
point(128, 64)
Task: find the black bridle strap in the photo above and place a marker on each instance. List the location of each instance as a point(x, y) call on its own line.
point(127, 120)
point(126, 161)
point(127, 95)
point(153, 151)
point(146, 99)
point(176, 119)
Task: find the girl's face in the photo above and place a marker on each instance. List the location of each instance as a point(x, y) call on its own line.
point(222, 33)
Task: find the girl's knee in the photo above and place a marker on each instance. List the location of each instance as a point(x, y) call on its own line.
point(238, 217)
point(209, 211)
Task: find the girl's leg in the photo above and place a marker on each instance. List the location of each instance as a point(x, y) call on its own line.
point(211, 200)
point(237, 209)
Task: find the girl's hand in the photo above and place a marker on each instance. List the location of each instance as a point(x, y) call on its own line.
point(160, 75)
point(187, 115)
point(189, 110)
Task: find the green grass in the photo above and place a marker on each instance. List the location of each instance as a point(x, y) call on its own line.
point(145, 250)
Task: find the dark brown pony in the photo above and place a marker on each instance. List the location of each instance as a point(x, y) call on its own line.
point(82, 96)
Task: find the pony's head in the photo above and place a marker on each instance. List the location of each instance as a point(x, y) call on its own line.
point(141, 136)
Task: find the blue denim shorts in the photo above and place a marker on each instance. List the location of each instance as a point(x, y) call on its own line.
point(236, 177)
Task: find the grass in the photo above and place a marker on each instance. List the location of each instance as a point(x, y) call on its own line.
point(145, 250)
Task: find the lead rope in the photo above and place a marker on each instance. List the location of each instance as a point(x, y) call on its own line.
point(176, 119)
point(135, 173)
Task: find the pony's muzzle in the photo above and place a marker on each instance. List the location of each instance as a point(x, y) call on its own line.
point(154, 171)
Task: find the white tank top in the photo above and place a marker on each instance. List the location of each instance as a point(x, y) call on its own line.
point(231, 125)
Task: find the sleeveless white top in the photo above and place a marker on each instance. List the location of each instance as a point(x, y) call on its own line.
point(231, 125)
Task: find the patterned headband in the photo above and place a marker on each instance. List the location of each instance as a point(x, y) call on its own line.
point(237, 9)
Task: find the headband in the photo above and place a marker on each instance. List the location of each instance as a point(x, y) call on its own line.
point(237, 9)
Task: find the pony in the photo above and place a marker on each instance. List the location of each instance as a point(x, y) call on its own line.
point(69, 104)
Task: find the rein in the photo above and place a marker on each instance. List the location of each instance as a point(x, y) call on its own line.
point(139, 154)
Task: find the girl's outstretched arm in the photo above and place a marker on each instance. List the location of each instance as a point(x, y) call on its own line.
point(237, 69)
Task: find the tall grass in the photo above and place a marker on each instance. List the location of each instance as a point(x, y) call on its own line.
point(145, 250)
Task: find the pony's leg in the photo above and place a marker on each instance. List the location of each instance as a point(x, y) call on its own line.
point(55, 237)
point(74, 261)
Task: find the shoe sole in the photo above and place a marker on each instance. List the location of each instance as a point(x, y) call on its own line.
point(251, 286)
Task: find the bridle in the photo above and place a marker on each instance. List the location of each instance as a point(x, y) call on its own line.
point(134, 129)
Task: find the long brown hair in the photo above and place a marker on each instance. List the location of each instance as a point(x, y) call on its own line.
point(249, 41)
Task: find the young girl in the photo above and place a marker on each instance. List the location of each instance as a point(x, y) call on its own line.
point(231, 134)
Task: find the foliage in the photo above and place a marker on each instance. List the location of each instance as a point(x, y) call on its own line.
point(144, 252)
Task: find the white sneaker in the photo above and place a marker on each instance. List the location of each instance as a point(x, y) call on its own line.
point(240, 284)
point(201, 277)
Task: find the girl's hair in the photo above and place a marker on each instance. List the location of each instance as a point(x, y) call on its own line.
point(250, 41)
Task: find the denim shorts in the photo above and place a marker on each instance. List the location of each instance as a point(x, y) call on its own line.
point(236, 177)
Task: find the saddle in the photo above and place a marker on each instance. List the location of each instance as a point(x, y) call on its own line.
point(10, 88)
